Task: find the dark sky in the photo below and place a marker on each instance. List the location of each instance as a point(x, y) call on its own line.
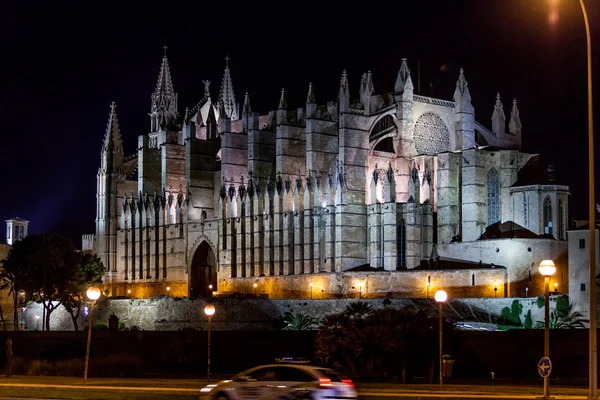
point(65, 61)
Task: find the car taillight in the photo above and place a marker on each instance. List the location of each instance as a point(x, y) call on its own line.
point(324, 381)
point(347, 382)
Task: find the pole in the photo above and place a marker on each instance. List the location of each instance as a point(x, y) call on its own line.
point(546, 332)
point(208, 366)
point(441, 373)
point(89, 341)
point(593, 383)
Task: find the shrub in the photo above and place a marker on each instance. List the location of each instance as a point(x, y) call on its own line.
point(100, 326)
point(121, 325)
point(528, 320)
point(114, 365)
point(540, 301)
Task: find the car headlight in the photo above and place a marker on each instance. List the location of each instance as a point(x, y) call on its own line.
point(208, 388)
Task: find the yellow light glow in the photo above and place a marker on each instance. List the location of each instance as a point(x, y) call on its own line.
point(310, 284)
point(168, 288)
point(93, 293)
point(255, 285)
point(547, 268)
point(440, 296)
point(128, 291)
point(209, 310)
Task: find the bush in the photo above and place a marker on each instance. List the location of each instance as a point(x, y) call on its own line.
point(114, 365)
point(100, 326)
point(528, 320)
point(121, 325)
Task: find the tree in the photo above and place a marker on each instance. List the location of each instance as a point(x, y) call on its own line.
point(90, 270)
point(53, 263)
point(16, 273)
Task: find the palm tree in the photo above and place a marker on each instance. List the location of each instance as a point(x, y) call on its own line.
point(564, 319)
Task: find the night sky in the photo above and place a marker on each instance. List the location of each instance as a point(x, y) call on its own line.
point(65, 61)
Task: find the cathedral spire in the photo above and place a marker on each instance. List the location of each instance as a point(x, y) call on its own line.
point(462, 96)
point(112, 138)
point(498, 117)
point(163, 112)
point(403, 80)
point(514, 125)
point(227, 97)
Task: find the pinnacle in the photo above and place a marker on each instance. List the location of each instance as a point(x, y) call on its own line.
point(227, 96)
point(282, 101)
point(310, 98)
point(403, 77)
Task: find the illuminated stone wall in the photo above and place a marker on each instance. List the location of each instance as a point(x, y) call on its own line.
point(257, 314)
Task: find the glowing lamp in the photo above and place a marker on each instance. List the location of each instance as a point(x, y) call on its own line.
point(310, 284)
point(93, 293)
point(210, 287)
point(547, 268)
point(255, 285)
point(440, 296)
point(209, 310)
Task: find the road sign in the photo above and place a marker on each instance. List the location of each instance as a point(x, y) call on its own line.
point(545, 367)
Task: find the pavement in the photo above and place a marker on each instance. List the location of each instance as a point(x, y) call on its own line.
point(483, 390)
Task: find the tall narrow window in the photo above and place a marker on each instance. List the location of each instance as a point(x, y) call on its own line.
point(561, 220)
point(548, 215)
point(473, 280)
point(401, 244)
point(493, 196)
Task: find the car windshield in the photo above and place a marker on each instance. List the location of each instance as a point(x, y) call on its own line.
point(334, 376)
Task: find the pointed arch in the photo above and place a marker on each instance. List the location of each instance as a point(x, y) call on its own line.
point(401, 244)
point(561, 220)
point(203, 270)
point(547, 215)
point(493, 196)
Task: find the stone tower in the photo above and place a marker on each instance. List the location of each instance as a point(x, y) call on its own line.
point(16, 229)
point(110, 174)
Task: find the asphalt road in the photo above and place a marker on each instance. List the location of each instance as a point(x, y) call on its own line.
point(189, 388)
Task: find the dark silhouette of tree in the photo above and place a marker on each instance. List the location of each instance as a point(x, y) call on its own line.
point(90, 271)
point(41, 266)
point(377, 344)
point(16, 274)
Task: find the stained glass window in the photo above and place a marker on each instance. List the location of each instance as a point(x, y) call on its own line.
point(493, 196)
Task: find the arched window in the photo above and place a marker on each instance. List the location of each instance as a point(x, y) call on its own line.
point(384, 127)
point(401, 244)
point(548, 215)
point(493, 196)
point(561, 220)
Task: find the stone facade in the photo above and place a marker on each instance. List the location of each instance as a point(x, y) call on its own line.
point(383, 182)
point(579, 268)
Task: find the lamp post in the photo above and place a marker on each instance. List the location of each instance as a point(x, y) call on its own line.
point(93, 294)
point(311, 285)
point(441, 296)
point(255, 285)
point(168, 291)
point(547, 269)
point(209, 310)
point(360, 285)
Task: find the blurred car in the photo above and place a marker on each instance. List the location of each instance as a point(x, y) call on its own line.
point(285, 380)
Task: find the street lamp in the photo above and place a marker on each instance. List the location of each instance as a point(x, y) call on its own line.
point(441, 297)
point(93, 294)
point(168, 291)
point(255, 285)
point(547, 269)
point(311, 285)
point(360, 285)
point(209, 310)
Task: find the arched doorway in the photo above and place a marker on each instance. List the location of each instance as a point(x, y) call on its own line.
point(203, 272)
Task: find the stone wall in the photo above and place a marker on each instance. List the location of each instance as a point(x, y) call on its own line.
point(172, 314)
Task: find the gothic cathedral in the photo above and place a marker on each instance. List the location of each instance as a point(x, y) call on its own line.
point(375, 195)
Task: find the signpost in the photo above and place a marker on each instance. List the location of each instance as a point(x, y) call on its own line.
point(545, 367)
